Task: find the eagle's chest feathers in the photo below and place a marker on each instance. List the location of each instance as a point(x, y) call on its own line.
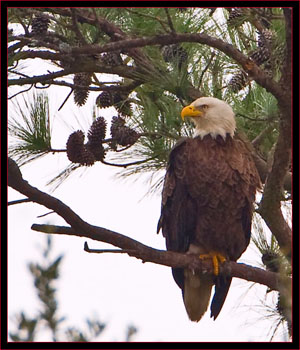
point(210, 152)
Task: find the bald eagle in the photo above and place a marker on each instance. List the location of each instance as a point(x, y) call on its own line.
point(207, 201)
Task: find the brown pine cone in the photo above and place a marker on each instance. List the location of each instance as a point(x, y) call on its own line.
point(76, 150)
point(81, 94)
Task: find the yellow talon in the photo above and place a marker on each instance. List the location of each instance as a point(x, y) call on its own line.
point(217, 258)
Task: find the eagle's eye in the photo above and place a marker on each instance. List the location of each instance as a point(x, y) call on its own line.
point(204, 107)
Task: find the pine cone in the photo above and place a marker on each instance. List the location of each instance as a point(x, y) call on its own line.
point(117, 122)
point(76, 150)
point(97, 131)
point(81, 94)
point(111, 59)
point(121, 134)
point(279, 55)
point(75, 145)
point(97, 150)
point(86, 157)
point(260, 55)
point(234, 18)
point(96, 134)
point(124, 108)
point(116, 99)
point(263, 52)
point(238, 81)
point(265, 38)
point(39, 25)
point(271, 260)
point(174, 53)
point(120, 103)
point(104, 100)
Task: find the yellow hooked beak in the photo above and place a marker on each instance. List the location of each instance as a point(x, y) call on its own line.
point(190, 111)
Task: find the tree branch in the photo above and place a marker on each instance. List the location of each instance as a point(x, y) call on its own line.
point(171, 259)
point(19, 201)
point(123, 71)
point(247, 64)
point(270, 206)
point(80, 228)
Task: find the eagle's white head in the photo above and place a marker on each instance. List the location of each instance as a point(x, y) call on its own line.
point(211, 116)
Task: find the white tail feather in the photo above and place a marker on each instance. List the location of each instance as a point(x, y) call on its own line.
point(197, 291)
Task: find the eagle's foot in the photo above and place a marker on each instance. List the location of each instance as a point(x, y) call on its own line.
point(217, 258)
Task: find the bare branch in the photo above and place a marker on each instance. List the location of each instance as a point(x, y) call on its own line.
point(78, 227)
point(168, 258)
point(100, 251)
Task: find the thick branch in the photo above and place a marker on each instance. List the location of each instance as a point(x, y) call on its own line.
point(254, 71)
point(172, 259)
point(263, 171)
point(270, 207)
point(137, 249)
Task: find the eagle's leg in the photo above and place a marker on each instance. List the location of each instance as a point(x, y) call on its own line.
point(216, 257)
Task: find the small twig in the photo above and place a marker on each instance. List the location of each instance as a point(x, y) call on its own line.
point(20, 92)
point(128, 164)
point(205, 69)
point(56, 150)
point(169, 20)
point(13, 67)
point(260, 137)
point(66, 99)
point(23, 25)
point(42, 215)
point(124, 149)
point(19, 73)
point(19, 201)
point(254, 119)
point(76, 27)
point(99, 251)
point(161, 22)
point(44, 86)
point(12, 48)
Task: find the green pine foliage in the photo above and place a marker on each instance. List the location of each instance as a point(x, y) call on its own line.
point(29, 126)
point(164, 86)
point(154, 105)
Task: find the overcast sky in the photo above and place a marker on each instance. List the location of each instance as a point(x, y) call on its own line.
point(117, 289)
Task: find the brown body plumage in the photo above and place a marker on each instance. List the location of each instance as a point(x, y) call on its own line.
point(207, 205)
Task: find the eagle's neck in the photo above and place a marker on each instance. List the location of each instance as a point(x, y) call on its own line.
point(214, 133)
point(214, 126)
